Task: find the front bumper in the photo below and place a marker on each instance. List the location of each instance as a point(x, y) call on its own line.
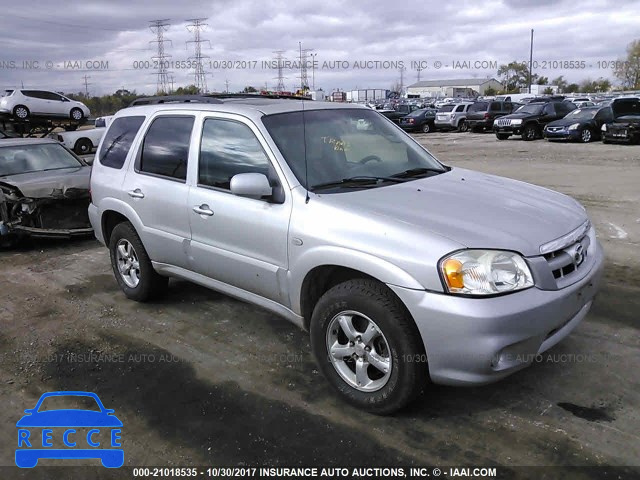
point(509, 129)
point(562, 134)
point(474, 341)
point(619, 137)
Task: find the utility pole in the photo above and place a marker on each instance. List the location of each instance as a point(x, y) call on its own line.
point(402, 69)
point(171, 82)
point(86, 85)
point(530, 60)
point(304, 80)
point(226, 84)
point(195, 27)
point(280, 77)
point(313, 71)
point(419, 70)
point(159, 27)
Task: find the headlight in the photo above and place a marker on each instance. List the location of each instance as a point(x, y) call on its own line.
point(603, 127)
point(516, 121)
point(575, 126)
point(485, 272)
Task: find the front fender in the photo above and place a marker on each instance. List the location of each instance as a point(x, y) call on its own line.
point(371, 265)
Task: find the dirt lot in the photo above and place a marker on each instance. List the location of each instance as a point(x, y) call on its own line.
point(201, 379)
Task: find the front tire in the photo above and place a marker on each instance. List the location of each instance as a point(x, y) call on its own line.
point(530, 132)
point(132, 267)
point(586, 136)
point(368, 347)
point(76, 114)
point(426, 128)
point(21, 112)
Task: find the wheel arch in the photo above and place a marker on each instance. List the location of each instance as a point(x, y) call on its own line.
point(115, 212)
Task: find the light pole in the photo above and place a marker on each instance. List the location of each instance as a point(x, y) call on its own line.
point(530, 60)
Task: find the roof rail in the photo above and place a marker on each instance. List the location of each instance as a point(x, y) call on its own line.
point(174, 99)
point(285, 96)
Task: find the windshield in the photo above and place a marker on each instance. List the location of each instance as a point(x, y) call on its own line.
point(532, 109)
point(479, 107)
point(580, 114)
point(447, 108)
point(345, 143)
point(69, 402)
point(35, 158)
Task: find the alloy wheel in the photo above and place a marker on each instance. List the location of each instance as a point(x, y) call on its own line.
point(128, 264)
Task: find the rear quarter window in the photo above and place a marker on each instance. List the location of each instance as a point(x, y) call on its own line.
point(118, 140)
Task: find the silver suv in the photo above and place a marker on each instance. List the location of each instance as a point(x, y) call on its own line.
point(403, 269)
point(453, 117)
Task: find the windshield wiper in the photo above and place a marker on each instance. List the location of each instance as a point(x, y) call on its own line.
point(359, 181)
point(416, 172)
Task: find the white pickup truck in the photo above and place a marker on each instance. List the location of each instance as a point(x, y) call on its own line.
point(83, 141)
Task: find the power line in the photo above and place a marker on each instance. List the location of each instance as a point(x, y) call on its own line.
point(61, 24)
point(281, 77)
point(195, 27)
point(86, 85)
point(159, 27)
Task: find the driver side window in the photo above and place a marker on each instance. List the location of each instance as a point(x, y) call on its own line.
point(227, 148)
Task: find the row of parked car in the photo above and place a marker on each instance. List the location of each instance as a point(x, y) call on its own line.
point(553, 118)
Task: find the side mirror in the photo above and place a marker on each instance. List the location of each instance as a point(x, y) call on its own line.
point(255, 185)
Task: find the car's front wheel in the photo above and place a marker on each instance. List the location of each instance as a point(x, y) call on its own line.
point(132, 266)
point(368, 347)
point(76, 114)
point(586, 136)
point(21, 112)
point(426, 128)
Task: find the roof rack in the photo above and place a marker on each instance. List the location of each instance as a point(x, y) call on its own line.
point(174, 99)
point(216, 98)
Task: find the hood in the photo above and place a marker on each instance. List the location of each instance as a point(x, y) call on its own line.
point(69, 418)
point(565, 122)
point(625, 106)
point(62, 183)
point(520, 115)
point(472, 209)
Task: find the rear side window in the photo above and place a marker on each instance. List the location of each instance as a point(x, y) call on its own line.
point(166, 147)
point(479, 107)
point(117, 141)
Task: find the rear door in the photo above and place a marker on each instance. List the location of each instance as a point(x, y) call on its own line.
point(155, 187)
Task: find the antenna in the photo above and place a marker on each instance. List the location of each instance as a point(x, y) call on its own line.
point(306, 164)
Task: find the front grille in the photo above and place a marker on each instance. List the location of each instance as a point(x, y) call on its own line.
point(568, 260)
point(503, 122)
point(555, 129)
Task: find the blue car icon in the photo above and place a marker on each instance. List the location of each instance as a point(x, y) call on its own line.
point(69, 433)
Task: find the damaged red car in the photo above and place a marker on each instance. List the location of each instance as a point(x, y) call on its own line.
point(44, 190)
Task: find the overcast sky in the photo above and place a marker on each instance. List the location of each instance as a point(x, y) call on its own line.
point(117, 33)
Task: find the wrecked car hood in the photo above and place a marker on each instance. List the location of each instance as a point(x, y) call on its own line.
point(60, 183)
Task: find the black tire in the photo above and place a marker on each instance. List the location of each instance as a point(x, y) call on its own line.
point(76, 114)
point(21, 112)
point(502, 136)
point(83, 146)
point(530, 132)
point(586, 135)
point(409, 373)
point(463, 126)
point(426, 128)
point(151, 284)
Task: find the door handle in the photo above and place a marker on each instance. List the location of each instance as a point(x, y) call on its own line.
point(137, 193)
point(203, 210)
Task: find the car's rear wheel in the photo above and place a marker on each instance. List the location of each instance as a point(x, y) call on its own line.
point(21, 112)
point(463, 126)
point(502, 136)
point(530, 132)
point(426, 128)
point(83, 146)
point(132, 266)
point(586, 136)
point(76, 114)
point(368, 347)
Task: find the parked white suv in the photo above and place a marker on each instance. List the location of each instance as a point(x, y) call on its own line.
point(402, 268)
point(23, 104)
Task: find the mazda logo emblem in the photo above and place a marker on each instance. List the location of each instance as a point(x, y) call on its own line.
point(578, 256)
